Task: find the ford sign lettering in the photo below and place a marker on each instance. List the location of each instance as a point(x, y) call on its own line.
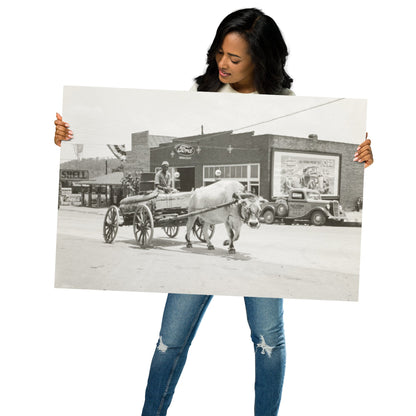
point(184, 149)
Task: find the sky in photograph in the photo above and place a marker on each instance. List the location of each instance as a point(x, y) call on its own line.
point(98, 116)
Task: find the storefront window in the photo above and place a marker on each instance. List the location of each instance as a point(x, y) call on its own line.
point(248, 175)
point(254, 171)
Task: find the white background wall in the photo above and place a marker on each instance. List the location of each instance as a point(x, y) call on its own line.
point(73, 352)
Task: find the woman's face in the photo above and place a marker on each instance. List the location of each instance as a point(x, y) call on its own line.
point(235, 66)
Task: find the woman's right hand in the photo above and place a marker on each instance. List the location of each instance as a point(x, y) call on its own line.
point(62, 131)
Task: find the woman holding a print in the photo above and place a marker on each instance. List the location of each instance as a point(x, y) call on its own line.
point(247, 55)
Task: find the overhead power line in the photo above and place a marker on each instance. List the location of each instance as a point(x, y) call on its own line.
point(291, 114)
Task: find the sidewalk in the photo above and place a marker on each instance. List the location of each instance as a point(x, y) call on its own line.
point(85, 210)
point(354, 219)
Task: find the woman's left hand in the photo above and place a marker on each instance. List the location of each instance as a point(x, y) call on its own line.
point(364, 153)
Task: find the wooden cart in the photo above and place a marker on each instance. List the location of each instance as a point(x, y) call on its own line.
point(155, 209)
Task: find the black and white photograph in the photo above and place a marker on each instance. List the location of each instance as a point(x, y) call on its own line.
point(84, 345)
point(264, 200)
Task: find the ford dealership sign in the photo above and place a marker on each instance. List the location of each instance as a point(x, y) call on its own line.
point(184, 149)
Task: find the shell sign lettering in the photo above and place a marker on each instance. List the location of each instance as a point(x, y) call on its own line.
point(184, 151)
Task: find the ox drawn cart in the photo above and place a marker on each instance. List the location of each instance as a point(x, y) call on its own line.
point(155, 209)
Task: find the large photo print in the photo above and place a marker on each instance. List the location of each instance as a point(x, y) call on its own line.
point(230, 194)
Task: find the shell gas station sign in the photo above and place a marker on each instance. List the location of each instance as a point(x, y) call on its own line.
point(74, 175)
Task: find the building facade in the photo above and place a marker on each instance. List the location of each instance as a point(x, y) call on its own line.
point(266, 164)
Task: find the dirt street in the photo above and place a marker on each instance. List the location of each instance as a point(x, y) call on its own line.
point(291, 261)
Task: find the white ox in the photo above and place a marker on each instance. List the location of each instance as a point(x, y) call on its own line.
point(246, 210)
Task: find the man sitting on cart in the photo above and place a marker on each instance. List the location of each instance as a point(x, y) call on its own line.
point(163, 179)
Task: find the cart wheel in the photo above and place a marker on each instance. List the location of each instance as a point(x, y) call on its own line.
point(171, 230)
point(110, 227)
point(197, 229)
point(143, 225)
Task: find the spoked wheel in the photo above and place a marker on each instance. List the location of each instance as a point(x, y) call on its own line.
point(110, 227)
point(197, 229)
point(143, 225)
point(171, 230)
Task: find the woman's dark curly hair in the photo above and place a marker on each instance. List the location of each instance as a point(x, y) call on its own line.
point(267, 49)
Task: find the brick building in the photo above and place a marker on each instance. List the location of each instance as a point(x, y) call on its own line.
point(267, 164)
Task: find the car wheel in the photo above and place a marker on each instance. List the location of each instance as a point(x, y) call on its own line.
point(282, 210)
point(318, 218)
point(268, 216)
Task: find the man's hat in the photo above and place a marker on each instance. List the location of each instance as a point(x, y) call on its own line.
point(165, 163)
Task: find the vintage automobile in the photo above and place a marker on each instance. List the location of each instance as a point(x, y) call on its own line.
point(302, 204)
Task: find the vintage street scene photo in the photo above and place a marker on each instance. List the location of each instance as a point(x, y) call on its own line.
point(229, 194)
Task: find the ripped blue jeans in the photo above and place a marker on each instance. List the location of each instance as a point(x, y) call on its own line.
point(181, 318)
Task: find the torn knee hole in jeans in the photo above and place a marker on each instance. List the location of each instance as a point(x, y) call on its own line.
point(161, 346)
point(265, 349)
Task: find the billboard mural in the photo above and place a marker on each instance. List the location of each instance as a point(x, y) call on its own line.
point(305, 170)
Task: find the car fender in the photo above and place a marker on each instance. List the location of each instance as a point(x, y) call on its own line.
point(268, 207)
point(322, 209)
